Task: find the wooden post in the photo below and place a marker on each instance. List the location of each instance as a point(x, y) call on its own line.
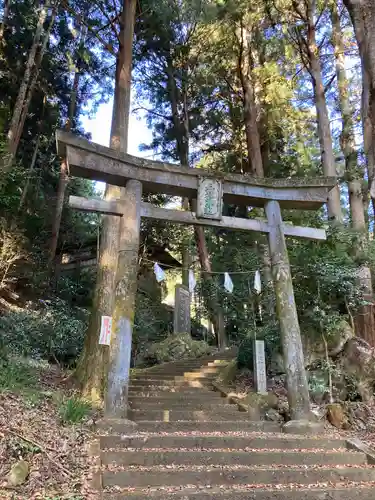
point(116, 398)
point(298, 392)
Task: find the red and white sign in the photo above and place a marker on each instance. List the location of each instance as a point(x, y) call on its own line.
point(105, 330)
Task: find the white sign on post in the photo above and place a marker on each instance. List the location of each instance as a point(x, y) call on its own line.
point(260, 372)
point(105, 330)
point(210, 198)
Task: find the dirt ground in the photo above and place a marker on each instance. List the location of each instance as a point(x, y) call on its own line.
point(57, 453)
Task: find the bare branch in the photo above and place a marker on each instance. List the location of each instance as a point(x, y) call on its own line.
point(152, 112)
point(328, 85)
point(111, 21)
point(321, 13)
point(324, 39)
point(108, 24)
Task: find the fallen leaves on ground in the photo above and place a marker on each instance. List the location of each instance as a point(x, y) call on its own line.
point(57, 454)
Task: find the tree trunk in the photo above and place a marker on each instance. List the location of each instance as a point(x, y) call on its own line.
point(31, 169)
point(13, 132)
point(324, 130)
point(250, 110)
point(216, 315)
point(253, 138)
point(33, 159)
point(181, 126)
point(4, 21)
point(181, 131)
point(63, 177)
point(362, 13)
point(364, 317)
point(30, 91)
point(186, 256)
point(93, 366)
point(64, 173)
point(353, 173)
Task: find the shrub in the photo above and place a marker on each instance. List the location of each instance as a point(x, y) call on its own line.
point(271, 336)
point(176, 347)
point(73, 410)
point(53, 332)
point(12, 251)
point(19, 375)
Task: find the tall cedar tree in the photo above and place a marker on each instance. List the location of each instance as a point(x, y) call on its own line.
point(93, 366)
point(168, 65)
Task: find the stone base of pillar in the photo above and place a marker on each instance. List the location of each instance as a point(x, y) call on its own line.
point(303, 427)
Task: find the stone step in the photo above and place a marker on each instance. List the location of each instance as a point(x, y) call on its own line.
point(209, 493)
point(246, 440)
point(179, 372)
point(175, 395)
point(152, 376)
point(223, 427)
point(180, 375)
point(212, 358)
point(206, 370)
point(161, 476)
point(197, 363)
point(168, 379)
point(178, 364)
point(210, 404)
point(184, 367)
point(184, 426)
point(218, 365)
point(220, 412)
point(164, 382)
point(224, 457)
point(187, 388)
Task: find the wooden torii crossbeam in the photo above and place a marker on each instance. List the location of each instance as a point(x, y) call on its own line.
point(210, 189)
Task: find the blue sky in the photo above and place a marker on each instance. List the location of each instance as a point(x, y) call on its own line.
point(100, 128)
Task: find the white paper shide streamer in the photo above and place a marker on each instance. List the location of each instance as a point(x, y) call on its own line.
point(159, 273)
point(192, 282)
point(228, 283)
point(257, 282)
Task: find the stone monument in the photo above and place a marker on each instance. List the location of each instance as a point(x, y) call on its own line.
point(182, 322)
point(260, 373)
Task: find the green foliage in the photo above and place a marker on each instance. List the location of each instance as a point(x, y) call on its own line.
point(19, 375)
point(54, 332)
point(270, 334)
point(176, 347)
point(325, 283)
point(18, 447)
point(351, 385)
point(318, 384)
point(151, 322)
point(74, 410)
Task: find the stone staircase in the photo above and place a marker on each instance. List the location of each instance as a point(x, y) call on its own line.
point(190, 444)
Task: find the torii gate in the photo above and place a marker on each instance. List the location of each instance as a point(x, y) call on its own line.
point(141, 176)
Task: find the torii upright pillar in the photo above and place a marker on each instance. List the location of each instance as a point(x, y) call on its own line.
point(298, 393)
point(116, 398)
